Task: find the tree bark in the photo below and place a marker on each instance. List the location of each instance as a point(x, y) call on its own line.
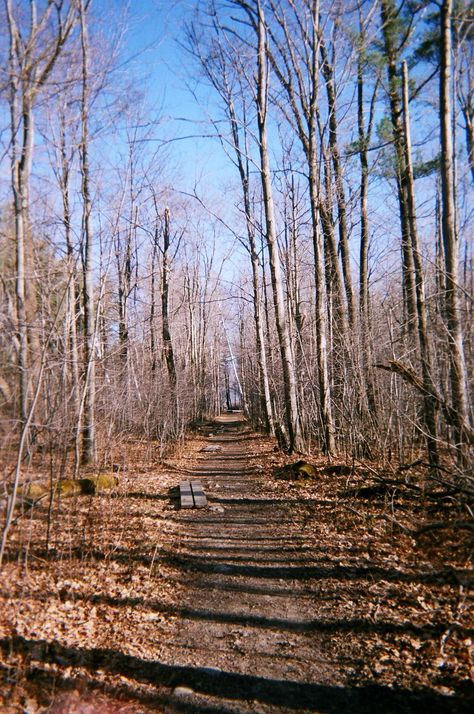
point(289, 375)
point(450, 242)
point(165, 322)
point(243, 169)
point(364, 135)
point(88, 431)
point(429, 415)
point(303, 107)
point(389, 16)
point(328, 75)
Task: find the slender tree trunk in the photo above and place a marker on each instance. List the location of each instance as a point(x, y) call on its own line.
point(328, 75)
point(329, 444)
point(334, 282)
point(154, 256)
point(266, 404)
point(468, 113)
point(28, 71)
point(124, 279)
point(88, 433)
point(429, 412)
point(289, 376)
point(321, 315)
point(73, 297)
point(165, 324)
point(364, 297)
point(302, 100)
point(450, 242)
point(389, 17)
point(21, 155)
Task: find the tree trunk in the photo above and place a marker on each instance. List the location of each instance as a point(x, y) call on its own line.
point(154, 256)
point(389, 17)
point(364, 135)
point(289, 376)
point(328, 75)
point(429, 413)
point(165, 323)
point(450, 242)
point(329, 444)
point(88, 432)
point(266, 404)
point(28, 71)
point(73, 298)
point(21, 155)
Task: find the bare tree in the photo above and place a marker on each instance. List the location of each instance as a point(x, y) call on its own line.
point(463, 37)
point(88, 429)
point(289, 375)
point(302, 94)
point(226, 75)
point(33, 53)
point(429, 415)
point(328, 74)
point(392, 47)
point(450, 239)
point(165, 320)
point(364, 137)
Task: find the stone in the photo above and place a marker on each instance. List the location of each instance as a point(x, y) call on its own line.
point(183, 692)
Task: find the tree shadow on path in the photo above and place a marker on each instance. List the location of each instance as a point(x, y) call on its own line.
point(325, 699)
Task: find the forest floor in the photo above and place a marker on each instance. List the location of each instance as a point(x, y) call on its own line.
point(283, 595)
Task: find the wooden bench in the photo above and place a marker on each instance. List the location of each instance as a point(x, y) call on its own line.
point(192, 494)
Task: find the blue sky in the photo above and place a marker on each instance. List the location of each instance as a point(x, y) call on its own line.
point(152, 43)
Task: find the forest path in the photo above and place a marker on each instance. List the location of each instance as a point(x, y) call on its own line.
point(247, 607)
point(268, 594)
point(282, 595)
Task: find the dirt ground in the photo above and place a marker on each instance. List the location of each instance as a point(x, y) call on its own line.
point(283, 595)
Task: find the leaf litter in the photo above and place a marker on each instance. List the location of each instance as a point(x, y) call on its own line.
point(130, 601)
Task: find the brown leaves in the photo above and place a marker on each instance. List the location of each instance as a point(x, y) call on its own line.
point(130, 575)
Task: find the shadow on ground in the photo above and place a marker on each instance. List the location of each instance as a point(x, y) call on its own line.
point(370, 699)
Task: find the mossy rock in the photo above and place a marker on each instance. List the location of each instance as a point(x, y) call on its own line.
point(70, 487)
point(88, 486)
point(104, 482)
point(300, 469)
point(31, 493)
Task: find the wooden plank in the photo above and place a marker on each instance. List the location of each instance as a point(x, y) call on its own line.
point(186, 495)
point(200, 500)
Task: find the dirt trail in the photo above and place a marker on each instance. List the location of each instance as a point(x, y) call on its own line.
point(247, 606)
point(259, 588)
point(280, 596)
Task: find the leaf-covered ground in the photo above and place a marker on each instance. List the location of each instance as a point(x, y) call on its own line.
point(285, 594)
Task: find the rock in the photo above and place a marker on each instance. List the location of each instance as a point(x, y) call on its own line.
point(183, 692)
point(296, 470)
point(212, 448)
point(217, 509)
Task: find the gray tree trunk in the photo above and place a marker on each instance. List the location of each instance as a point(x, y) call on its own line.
point(328, 75)
point(429, 412)
point(88, 431)
point(288, 367)
point(450, 242)
point(389, 16)
point(364, 134)
point(165, 321)
point(29, 66)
